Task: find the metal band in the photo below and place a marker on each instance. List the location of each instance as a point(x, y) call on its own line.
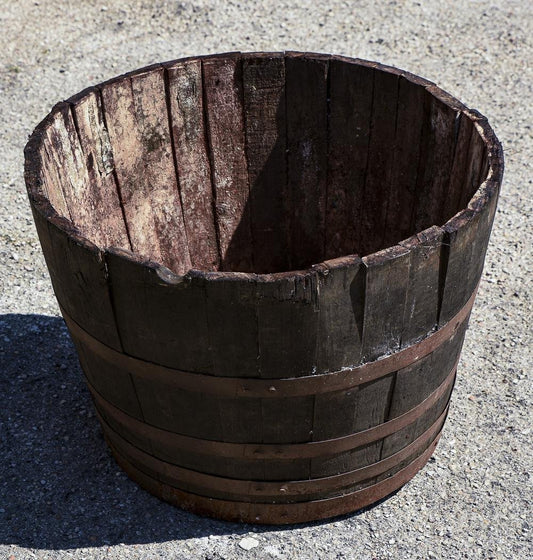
point(274, 388)
point(300, 512)
point(308, 450)
point(258, 491)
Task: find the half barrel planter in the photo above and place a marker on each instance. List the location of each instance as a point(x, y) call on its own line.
point(266, 262)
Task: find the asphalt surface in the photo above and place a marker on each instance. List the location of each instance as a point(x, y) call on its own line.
point(61, 493)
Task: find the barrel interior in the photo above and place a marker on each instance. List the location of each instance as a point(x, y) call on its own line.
point(260, 163)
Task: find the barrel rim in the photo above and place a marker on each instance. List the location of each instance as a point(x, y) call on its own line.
point(482, 197)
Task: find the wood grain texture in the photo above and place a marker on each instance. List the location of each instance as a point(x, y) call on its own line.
point(350, 104)
point(407, 150)
point(471, 180)
point(484, 204)
point(115, 385)
point(458, 243)
point(306, 109)
point(179, 411)
point(98, 159)
point(334, 414)
point(268, 513)
point(485, 199)
point(163, 448)
point(366, 407)
point(168, 446)
point(80, 280)
point(287, 420)
point(425, 283)
point(66, 156)
point(415, 383)
point(45, 177)
point(128, 155)
point(288, 304)
point(256, 491)
point(77, 272)
point(380, 162)
point(161, 318)
point(466, 241)
point(208, 462)
point(386, 285)
point(454, 194)
point(75, 265)
point(265, 127)
point(232, 324)
point(134, 437)
point(405, 439)
point(186, 106)
point(223, 104)
point(262, 163)
point(435, 164)
point(151, 113)
point(341, 308)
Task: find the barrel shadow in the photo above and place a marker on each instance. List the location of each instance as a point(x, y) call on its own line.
point(59, 486)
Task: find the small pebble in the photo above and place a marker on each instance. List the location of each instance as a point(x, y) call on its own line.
point(248, 543)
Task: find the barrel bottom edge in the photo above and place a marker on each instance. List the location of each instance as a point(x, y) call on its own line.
point(275, 514)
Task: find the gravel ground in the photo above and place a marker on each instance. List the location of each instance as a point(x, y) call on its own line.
point(61, 494)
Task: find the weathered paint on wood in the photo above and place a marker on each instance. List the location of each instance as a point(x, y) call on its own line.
point(98, 160)
point(186, 107)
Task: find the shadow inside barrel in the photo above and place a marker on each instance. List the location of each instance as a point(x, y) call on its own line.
point(59, 485)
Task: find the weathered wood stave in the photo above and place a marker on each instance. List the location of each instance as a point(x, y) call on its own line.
point(269, 325)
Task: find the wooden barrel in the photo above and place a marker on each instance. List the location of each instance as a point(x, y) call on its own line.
point(266, 262)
